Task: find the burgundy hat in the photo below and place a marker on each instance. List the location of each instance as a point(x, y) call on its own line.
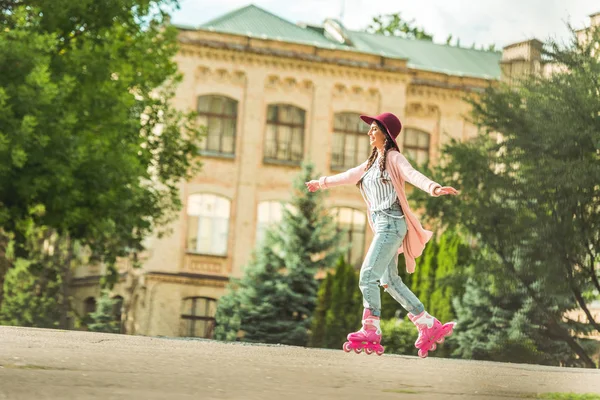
point(389, 121)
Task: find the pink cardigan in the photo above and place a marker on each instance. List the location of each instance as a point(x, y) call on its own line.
point(400, 171)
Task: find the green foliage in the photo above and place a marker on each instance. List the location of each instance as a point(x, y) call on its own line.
point(278, 291)
point(530, 192)
point(394, 25)
point(319, 323)
point(227, 316)
point(339, 307)
point(31, 296)
point(440, 301)
point(34, 288)
point(399, 336)
point(87, 126)
point(424, 275)
point(103, 318)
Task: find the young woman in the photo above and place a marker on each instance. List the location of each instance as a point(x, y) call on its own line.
point(396, 229)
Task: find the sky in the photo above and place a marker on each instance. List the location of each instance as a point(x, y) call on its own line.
point(484, 22)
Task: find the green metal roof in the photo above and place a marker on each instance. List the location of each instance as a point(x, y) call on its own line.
point(255, 22)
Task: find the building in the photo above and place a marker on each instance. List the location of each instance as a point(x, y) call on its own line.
point(273, 93)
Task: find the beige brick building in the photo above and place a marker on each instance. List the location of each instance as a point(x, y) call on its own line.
point(273, 93)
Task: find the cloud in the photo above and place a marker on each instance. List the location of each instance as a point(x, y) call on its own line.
point(499, 22)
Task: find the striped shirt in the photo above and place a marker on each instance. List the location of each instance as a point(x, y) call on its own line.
point(380, 195)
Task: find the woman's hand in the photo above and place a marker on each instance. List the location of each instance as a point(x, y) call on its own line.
point(313, 186)
point(445, 190)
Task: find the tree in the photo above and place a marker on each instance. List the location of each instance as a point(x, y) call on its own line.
point(88, 132)
point(344, 313)
point(277, 293)
point(423, 283)
point(227, 317)
point(440, 302)
point(34, 289)
point(399, 336)
point(533, 202)
point(394, 25)
point(318, 331)
point(103, 318)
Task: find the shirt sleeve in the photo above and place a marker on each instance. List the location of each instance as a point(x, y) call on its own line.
point(349, 177)
point(411, 175)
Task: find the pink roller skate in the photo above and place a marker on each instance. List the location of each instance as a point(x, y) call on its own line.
point(367, 338)
point(431, 331)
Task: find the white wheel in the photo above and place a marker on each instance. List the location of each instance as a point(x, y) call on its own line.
point(379, 351)
point(347, 347)
point(422, 354)
point(357, 350)
point(368, 351)
point(441, 340)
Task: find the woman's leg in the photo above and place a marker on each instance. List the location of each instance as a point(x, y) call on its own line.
point(393, 284)
point(382, 251)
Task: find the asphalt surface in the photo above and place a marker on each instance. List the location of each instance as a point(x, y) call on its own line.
point(53, 364)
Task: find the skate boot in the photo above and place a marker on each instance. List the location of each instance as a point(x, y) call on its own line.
point(431, 331)
point(367, 338)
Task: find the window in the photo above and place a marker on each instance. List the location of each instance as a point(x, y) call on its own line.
point(350, 141)
point(208, 224)
point(89, 305)
point(284, 139)
point(118, 308)
point(416, 145)
point(269, 213)
point(219, 115)
point(198, 317)
point(353, 223)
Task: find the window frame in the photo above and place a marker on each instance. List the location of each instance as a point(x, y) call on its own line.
point(191, 328)
point(355, 134)
point(277, 123)
point(417, 149)
point(222, 116)
point(350, 232)
point(195, 250)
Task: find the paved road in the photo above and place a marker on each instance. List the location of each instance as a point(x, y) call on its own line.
point(52, 364)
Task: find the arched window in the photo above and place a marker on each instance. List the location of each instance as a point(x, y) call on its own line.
point(353, 223)
point(350, 141)
point(198, 317)
point(269, 213)
point(416, 145)
point(208, 224)
point(284, 138)
point(219, 115)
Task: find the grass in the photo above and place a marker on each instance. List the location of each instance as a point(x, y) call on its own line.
point(563, 396)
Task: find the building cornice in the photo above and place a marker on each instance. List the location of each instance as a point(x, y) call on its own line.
point(186, 278)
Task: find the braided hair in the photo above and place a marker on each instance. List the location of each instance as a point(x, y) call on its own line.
point(388, 145)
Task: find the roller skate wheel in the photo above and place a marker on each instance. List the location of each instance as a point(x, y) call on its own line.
point(379, 351)
point(441, 340)
point(422, 354)
point(347, 347)
point(369, 351)
point(433, 347)
point(357, 350)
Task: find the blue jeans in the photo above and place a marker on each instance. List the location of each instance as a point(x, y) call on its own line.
point(381, 263)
